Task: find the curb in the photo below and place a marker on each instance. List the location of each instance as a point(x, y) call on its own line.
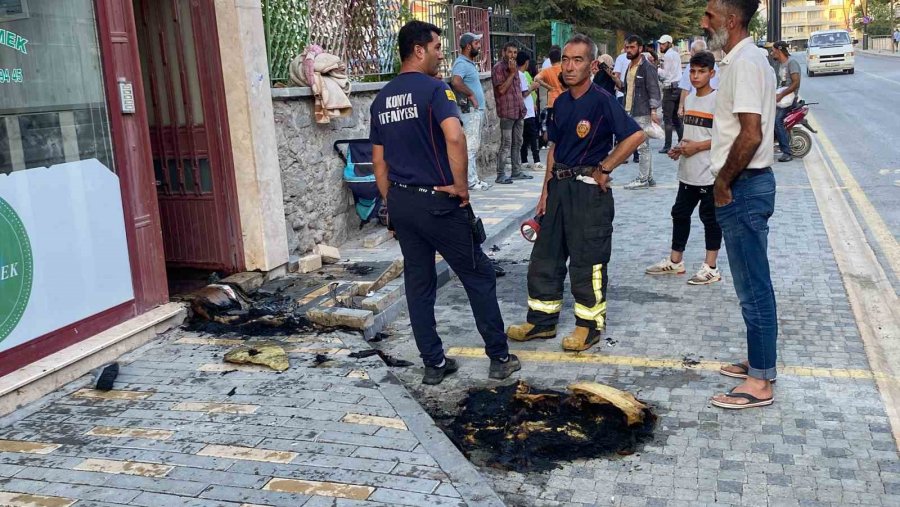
point(474, 489)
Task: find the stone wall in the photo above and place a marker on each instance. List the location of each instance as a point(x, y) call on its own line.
point(318, 206)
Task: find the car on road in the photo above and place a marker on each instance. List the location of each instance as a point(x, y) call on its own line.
point(829, 51)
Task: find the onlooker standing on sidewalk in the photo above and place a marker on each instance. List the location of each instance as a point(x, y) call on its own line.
point(695, 181)
point(788, 75)
point(549, 80)
point(685, 84)
point(419, 155)
point(604, 77)
point(641, 101)
point(511, 110)
point(546, 64)
point(896, 38)
point(619, 69)
point(531, 127)
point(741, 157)
point(466, 83)
point(670, 75)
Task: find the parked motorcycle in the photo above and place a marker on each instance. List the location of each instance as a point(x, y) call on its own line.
point(801, 140)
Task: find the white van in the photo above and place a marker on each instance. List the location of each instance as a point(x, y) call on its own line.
point(829, 51)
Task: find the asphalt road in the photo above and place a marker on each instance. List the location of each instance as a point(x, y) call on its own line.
point(860, 115)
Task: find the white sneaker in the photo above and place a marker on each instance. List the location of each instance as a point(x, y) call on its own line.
point(537, 166)
point(705, 276)
point(637, 184)
point(666, 267)
point(527, 165)
point(481, 185)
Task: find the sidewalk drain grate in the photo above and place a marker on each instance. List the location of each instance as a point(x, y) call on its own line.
point(526, 429)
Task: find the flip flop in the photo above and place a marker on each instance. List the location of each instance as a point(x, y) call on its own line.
point(741, 375)
point(752, 401)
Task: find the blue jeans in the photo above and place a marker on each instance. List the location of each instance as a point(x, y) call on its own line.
point(745, 226)
point(781, 134)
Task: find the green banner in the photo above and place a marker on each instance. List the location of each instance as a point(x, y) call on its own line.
point(16, 269)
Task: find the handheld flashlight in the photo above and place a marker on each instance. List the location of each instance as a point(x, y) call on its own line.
point(530, 228)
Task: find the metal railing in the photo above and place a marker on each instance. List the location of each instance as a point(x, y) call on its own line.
point(363, 33)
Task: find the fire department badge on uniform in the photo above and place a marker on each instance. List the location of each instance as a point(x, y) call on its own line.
point(583, 128)
point(450, 95)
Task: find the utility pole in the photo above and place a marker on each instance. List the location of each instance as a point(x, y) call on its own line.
point(773, 25)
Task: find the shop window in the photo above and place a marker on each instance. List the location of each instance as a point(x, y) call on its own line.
point(52, 101)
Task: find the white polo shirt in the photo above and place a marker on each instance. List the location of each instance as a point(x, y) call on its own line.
point(620, 66)
point(746, 85)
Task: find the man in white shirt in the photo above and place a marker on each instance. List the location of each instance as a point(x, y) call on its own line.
point(698, 46)
point(744, 191)
point(619, 68)
point(546, 64)
point(670, 75)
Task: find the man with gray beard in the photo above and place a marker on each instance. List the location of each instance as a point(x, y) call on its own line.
point(744, 191)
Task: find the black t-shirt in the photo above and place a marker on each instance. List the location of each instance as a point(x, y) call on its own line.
point(603, 80)
point(583, 129)
point(406, 119)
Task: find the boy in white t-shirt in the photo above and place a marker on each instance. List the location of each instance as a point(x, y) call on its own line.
point(695, 180)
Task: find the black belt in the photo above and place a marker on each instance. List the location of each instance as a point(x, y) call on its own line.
point(562, 171)
point(423, 190)
point(752, 173)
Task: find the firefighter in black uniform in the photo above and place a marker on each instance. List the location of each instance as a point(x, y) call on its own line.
point(577, 203)
point(419, 154)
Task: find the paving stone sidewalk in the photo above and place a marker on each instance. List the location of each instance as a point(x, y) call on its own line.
point(826, 441)
point(182, 428)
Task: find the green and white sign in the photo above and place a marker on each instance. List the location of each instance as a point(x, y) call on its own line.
point(16, 269)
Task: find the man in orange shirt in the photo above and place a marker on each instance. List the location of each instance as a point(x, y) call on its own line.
point(548, 79)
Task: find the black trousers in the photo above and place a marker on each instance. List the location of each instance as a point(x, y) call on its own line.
point(530, 140)
point(671, 120)
point(425, 224)
point(576, 228)
point(685, 202)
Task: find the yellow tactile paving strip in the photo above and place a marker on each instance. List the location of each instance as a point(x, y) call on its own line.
point(24, 500)
point(216, 408)
point(643, 362)
point(109, 466)
point(385, 422)
point(149, 434)
point(332, 489)
point(27, 447)
point(247, 454)
point(112, 395)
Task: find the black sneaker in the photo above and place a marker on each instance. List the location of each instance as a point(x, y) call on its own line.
point(664, 150)
point(500, 370)
point(434, 375)
point(503, 180)
point(786, 158)
point(522, 176)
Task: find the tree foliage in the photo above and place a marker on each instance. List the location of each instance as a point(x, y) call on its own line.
point(880, 13)
point(599, 18)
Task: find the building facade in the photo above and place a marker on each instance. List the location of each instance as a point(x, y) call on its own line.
point(800, 18)
point(137, 144)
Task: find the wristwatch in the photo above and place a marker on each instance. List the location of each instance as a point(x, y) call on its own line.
point(603, 169)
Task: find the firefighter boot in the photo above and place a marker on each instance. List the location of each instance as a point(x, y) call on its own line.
point(525, 332)
point(582, 339)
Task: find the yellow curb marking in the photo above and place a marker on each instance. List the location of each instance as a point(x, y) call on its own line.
point(314, 350)
point(112, 395)
point(247, 454)
point(150, 434)
point(216, 408)
point(332, 489)
point(386, 422)
point(321, 291)
point(191, 340)
point(643, 362)
point(358, 374)
point(25, 500)
point(27, 447)
point(220, 367)
point(109, 466)
point(879, 229)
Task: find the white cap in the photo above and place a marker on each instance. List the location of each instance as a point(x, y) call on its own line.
point(665, 39)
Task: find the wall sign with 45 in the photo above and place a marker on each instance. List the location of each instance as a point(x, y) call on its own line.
point(11, 76)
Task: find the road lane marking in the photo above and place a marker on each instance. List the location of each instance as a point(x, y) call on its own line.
point(874, 222)
point(248, 454)
point(646, 362)
point(872, 298)
point(876, 76)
